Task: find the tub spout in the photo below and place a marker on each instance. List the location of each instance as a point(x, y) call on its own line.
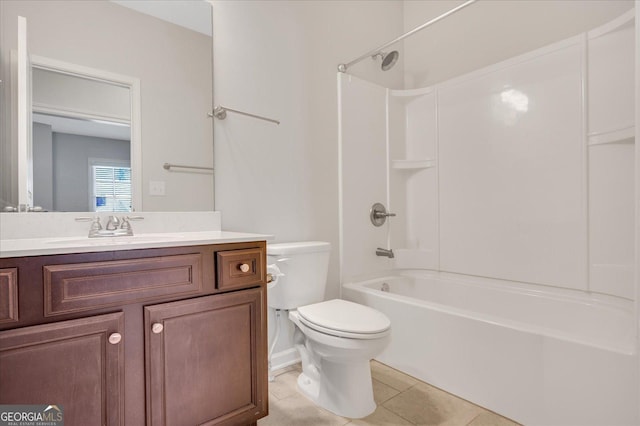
point(384, 252)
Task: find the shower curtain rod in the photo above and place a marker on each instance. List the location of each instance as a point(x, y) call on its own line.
point(344, 67)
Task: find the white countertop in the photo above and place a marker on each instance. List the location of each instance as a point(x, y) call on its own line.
point(63, 245)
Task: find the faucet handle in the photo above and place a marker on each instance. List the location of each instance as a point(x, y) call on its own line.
point(125, 221)
point(95, 224)
point(378, 214)
point(85, 218)
point(126, 225)
point(94, 219)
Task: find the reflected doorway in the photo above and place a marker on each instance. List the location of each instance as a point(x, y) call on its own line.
point(81, 164)
point(85, 147)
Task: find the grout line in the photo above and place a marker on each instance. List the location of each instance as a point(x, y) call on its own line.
point(472, 420)
point(381, 402)
point(398, 414)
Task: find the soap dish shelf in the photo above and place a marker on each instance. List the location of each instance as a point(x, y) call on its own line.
point(425, 163)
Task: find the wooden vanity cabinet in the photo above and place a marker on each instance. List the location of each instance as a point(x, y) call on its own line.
point(68, 363)
point(180, 331)
point(210, 370)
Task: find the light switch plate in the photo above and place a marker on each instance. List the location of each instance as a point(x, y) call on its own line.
point(156, 187)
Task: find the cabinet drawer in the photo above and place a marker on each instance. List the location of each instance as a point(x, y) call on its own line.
point(85, 286)
point(240, 268)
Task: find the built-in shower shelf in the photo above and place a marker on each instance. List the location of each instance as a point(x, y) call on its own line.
point(412, 164)
point(410, 93)
point(621, 135)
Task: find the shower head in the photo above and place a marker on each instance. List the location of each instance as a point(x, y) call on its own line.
point(388, 59)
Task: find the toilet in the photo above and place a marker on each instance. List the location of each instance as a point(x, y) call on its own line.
point(336, 338)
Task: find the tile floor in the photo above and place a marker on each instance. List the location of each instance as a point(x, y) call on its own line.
point(402, 400)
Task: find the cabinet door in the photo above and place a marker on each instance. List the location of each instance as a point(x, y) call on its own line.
point(76, 364)
point(206, 360)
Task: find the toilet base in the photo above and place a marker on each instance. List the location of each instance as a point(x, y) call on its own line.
point(344, 388)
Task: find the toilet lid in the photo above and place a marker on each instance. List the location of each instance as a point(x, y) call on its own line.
point(342, 316)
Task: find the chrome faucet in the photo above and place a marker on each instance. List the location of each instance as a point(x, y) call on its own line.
point(116, 227)
point(384, 252)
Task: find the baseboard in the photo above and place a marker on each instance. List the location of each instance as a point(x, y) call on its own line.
point(284, 359)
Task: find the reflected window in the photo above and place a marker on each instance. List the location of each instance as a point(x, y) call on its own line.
point(111, 188)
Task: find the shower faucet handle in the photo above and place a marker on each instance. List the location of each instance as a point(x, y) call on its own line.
point(378, 214)
point(381, 214)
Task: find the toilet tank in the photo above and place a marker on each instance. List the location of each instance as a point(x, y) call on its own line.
point(300, 272)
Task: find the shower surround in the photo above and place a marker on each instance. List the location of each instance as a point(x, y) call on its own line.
point(514, 191)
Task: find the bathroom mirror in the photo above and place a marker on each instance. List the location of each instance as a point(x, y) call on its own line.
point(105, 134)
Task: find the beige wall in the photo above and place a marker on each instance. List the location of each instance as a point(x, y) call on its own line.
point(279, 59)
point(490, 31)
point(172, 63)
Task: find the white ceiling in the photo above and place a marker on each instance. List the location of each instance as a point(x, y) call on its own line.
point(192, 14)
point(74, 126)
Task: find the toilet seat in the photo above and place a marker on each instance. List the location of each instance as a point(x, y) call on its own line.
point(342, 318)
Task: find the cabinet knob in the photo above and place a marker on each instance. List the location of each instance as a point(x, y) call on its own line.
point(157, 328)
point(245, 267)
point(115, 338)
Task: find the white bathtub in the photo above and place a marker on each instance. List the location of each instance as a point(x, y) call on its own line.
point(536, 356)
